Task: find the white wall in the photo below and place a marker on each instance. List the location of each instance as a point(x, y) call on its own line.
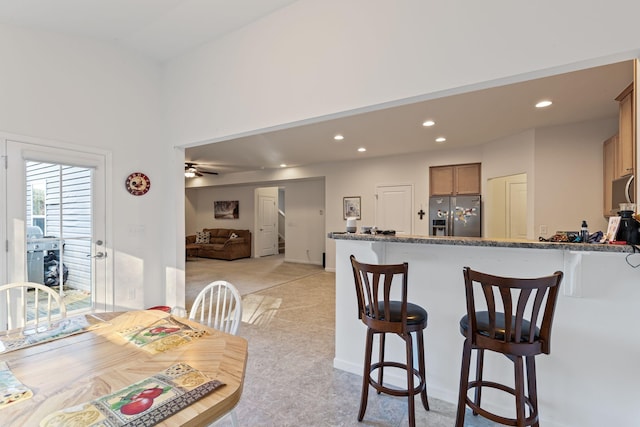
point(92, 94)
point(569, 175)
point(564, 170)
point(305, 221)
point(509, 156)
point(203, 204)
point(315, 59)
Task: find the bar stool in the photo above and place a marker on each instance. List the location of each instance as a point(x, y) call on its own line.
point(382, 315)
point(520, 339)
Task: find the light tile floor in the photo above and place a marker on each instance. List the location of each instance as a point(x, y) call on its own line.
point(290, 379)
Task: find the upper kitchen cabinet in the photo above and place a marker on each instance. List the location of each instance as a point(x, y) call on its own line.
point(626, 134)
point(454, 180)
point(610, 169)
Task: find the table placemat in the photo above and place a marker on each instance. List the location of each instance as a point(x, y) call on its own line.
point(11, 390)
point(162, 335)
point(142, 404)
point(29, 336)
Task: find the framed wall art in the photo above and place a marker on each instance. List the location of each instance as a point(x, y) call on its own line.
point(351, 207)
point(226, 209)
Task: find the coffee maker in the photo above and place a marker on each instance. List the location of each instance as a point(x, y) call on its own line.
point(628, 230)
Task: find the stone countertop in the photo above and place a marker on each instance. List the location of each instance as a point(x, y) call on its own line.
point(480, 241)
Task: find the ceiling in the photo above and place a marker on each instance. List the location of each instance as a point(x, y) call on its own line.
point(159, 29)
point(466, 119)
point(164, 29)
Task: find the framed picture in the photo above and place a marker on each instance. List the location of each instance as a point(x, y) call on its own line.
point(225, 209)
point(351, 207)
point(612, 229)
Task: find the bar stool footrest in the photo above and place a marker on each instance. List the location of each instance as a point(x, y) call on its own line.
point(380, 388)
point(477, 410)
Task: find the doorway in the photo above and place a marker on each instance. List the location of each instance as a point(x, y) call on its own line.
point(266, 225)
point(507, 199)
point(55, 222)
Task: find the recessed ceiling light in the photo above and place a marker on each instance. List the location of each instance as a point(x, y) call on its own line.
point(428, 123)
point(441, 139)
point(362, 149)
point(283, 165)
point(338, 137)
point(543, 104)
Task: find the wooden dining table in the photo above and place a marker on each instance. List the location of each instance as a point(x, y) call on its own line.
point(69, 371)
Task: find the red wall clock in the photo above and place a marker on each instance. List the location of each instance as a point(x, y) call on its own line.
point(138, 184)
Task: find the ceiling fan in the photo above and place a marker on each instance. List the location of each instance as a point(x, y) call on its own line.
point(191, 170)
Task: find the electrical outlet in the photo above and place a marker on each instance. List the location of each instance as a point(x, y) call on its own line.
point(544, 230)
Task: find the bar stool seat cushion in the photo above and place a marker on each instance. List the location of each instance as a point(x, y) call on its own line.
point(484, 326)
point(416, 315)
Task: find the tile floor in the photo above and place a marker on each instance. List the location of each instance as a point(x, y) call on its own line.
point(290, 379)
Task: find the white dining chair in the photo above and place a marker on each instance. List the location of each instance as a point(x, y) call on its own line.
point(219, 306)
point(27, 304)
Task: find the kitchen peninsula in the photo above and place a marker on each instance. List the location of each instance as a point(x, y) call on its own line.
point(587, 380)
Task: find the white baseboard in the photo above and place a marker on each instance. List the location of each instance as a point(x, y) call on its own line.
point(302, 261)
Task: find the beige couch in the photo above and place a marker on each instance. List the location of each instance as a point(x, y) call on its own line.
point(222, 243)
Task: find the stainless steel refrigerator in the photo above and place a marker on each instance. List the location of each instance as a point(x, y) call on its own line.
point(455, 216)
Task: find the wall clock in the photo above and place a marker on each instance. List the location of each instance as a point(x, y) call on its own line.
point(138, 184)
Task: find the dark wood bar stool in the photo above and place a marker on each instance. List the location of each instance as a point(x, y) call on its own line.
point(520, 339)
point(382, 315)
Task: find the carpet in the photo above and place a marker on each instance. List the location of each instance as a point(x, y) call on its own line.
point(249, 275)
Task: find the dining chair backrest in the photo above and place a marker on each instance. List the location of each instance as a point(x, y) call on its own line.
point(27, 304)
point(218, 306)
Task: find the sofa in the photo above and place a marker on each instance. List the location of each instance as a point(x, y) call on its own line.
point(220, 243)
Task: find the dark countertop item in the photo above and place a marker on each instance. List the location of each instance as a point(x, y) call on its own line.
point(481, 241)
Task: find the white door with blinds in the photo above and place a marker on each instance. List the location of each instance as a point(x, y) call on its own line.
point(55, 223)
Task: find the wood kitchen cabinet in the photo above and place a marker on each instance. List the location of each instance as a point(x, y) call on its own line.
point(619, 151)
point(626, 134)
point(454, 180)
point(610, 168)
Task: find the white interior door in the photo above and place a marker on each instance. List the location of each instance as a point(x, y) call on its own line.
point(394, 205)
point(267, 222)
point(56, 222)
point(517, 210)
point(506, 204)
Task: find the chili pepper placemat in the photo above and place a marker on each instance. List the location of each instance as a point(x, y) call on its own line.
point(161, 335)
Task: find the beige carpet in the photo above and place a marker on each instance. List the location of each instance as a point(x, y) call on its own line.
point(249, 275)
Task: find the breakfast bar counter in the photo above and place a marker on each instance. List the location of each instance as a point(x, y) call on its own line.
point(588, 379)
point(481, 241)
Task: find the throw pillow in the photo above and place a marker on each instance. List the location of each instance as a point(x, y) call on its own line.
point(202, 236)
point(233, 236)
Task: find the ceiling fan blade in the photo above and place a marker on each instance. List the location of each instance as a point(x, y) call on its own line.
point(207, 172)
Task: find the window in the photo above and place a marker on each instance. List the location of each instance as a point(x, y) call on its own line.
point(38, 198)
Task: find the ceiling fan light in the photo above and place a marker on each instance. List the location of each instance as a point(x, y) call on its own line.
point(189, 174)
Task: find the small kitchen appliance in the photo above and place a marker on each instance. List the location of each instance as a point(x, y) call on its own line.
point(628, 229)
